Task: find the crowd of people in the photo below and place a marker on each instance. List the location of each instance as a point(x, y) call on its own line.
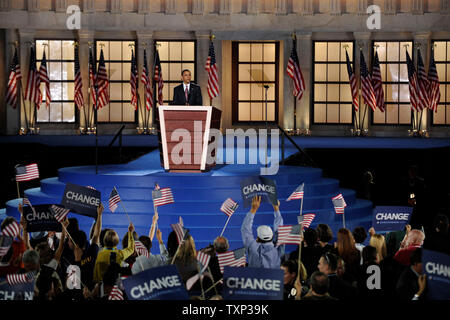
point(76, 266)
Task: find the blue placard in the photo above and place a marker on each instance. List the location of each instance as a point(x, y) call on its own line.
point(17, 292)
point(252, 284)
point(436, 266)
point(40, 218)
point(81, 200)
point(258, 186)
point(390, 218)
point(161, 283)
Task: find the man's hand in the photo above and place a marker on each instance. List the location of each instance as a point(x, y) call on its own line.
point(100, 209)
point(277, 206)
point(77, 252)
point(20, 209)
point(407, 228)
point(23, 222)
point(422, 281)
point(65, 223)
point(371, 231)
point(155, 217)
point(159, 236)
point(131, 228)
point(256, 201)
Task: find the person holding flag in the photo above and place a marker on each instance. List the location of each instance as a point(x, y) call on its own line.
point(12, 247)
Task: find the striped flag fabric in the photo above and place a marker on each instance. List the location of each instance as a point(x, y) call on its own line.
point(33, 91)
point(377, 83)
point(115, 294)
point(289, 234)
point(92, 77)
point(353, 83)
point(78, 90)
point(414, 96)
point(229, 207)
point(235, 258)
point(295, 73)
point(102, 83)
point(114, 199)
point(59, 213)
point(146, 81)
point(15, 76)
point(162, 196)
point(298, 193)
point(211, 68)
point(433, 78)
point(5, 243)
point(366, 85)
point(12, 229)
point(43, 76)
point(306, 219)
point(15, 279)
point(180, 231)
point(424, 84)
point(134, 81)
point(203, 258)
point(158, 77)
point(27, 172)
point(339, 203)
point(141, 249)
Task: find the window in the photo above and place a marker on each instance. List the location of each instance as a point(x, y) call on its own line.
point(394, 73)
point(442, 59)
point(175, 56)
point(118, 64)
point(332, 98)
point(255, 64)
point(60, 69)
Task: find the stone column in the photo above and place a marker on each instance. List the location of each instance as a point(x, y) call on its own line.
point(390, 7)
point(197, 7)
point(145, 41)
point(362, 7)
point(143, 6)
point(88, 6)
point(33, 5)
point(5, 5)
point(335, 7)
point(417, 7)
point(303, 7)
point(225, 7)
point(170, 6)
point(26, 38)
point(422, 40)
point(85, 37)
point(60, 5)
point(252, 7)
point(116, 6)
point(280, 7)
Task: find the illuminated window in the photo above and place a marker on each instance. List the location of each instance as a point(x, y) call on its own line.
point(255, 64)
point(394, 73)
point(60, 69)
point(332, 98)
point(117, 56)
point(175, 56)
point(442, 59)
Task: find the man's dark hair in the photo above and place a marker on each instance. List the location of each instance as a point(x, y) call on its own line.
point(291, 265)
point(359, 234)
point(146, 242)
point(73, 225)
point(324, 232)
point(184, 70)
point(125, 239)
point(79, 237)
point(416, 256)
point(331, 260)
point(310, 236)
point(441, 222)
point(319, 282)
point(172, 243)
point(369, 254)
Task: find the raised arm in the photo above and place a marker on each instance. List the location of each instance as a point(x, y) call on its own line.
point(98, 225)
point(247, 224)
point(128, 251)
point(278, 219)
point(151, 233)
point(23, 223)
point(60, 249)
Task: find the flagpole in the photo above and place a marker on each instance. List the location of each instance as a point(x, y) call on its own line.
point(343, 218)
point(75, 44)
point(225, 225)
point(155, 101)
point(301, 237)
point(214, 285)
point(201, 283)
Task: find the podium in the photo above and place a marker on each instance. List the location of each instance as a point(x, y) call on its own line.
point(183, 136)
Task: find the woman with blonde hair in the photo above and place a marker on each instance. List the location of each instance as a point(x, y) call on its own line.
point(377, 241)
point(185, 259)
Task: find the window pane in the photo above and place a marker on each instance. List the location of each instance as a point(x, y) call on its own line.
point(270, 111)
point(448, 115)
point(320, 91)
point(42, 114)
point(269, 72)
point(68, 112)
point(404, 93)
point(244, 111)
point(256, 92)
point(333, 92)
point(332, 113)
point(115, 50)
point(392, 93)
point(346, 113)
point(55, 50)
point(271, 92)
point(439, 116)
point(405, 114)
point(344, 72)
point(128, 112)
point(391, 113)
point(115, 71)
point(68, 88)
point(404, 73)
point(244, 91)
point(188, 51)
point(116, 91)
point(333, 51)
point(68, 71)
point(103, 114)
point(127, 46)
point(55, 112)
point(392, 72)
point(378, 116)
point(244, 52)
point(403, 51)
point(320, 51)
point(175, 50)
point(257, 112)
point(320, 113)
point(68, 50)
point(54, 71)
point(448, 93)
point(166, 73)
point(244, 72)
point(105, 46)
point(269, 52)
point(175, 71)
point(349, 49)
point(440, 51)
point(126, 92)
point(256, 52)
point(40, 49)
point(320, 72)
point(393, 51)
point(440, 67)
point(381, 51)
point(126, 71)
point(257, 73)
point(333, 72)
point(346, 94)
point(166, 93)
point(115, 112)
point(163, 50)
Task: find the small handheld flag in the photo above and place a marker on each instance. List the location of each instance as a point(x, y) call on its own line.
point(298, 193)
point(289, 235)
point(235, 258)
point(229, 207)
point(306, 219)
point(14, 279)
point(339, 203)
point(114, 199)
point(59, 213)
point(141, 249)
point(180, 231)
point(162, 196)
point(5, 244)
point(115, 294)
point(203, 258)
point(28, 172)
point(12, 229)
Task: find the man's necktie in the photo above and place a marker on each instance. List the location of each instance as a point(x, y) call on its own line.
point(186, 94)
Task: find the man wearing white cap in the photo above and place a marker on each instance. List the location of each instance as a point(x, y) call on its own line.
point(262, 252)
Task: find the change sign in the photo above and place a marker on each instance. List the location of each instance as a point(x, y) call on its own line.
point(253, 284)
point(436, 266)
point(391, 218)
point(161, 283)
point(17, 292)
point(81, 200)
point(40, 218)
point(258, 186)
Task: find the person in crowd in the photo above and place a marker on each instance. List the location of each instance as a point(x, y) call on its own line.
point(319, 287)
point(186, 259)
point(11, 262)
point(378, 242)
point(290, 270)
point(342, 273)
point(394, 238)
point(360, 235)
point(438, 238)
point(346, 249)
point(367, 275)
point(262, 252)
point(413, 240)
point(325, 234)
point(411, 285)
point(143, 263)
point(102, 236)
point(311, 251)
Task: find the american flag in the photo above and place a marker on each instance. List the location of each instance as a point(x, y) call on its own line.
point(229, 207)
point(141, 249)
point(298, 193)
point(414, 96)
point(43, 75)
point(158, 77)
point(102, 82)
point(366, 85)
point(12, 229)
point(235, 258)
point(134, 81)
point(433, 78)
point(15, 76)
point(211, 68)
point(14, 279)
point(115, 294)
point(289, 234)
point(377, 83)
point(5, 244)
point(295, 73)
point(180, 231)
point(78, 95)
point(203, 258)
point(28, 172)
point(306, 219)
point(92, 77)
point(162, 196)
point(33, 91)
point(59, 213)
point(352, 81)
point(424, 84)
point(114, 199)
point(146, 81)
point(339, 203)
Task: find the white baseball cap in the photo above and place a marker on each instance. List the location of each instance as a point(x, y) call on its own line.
point(264, 233)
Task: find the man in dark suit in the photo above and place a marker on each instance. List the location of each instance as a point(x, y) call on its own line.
point(187, 93)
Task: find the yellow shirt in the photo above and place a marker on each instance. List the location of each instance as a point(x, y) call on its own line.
point(103, 258)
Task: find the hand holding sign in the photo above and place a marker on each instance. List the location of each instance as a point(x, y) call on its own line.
point(256, 202)
point(258, 186)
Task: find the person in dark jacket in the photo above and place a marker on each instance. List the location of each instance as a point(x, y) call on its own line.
point(187, 93)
